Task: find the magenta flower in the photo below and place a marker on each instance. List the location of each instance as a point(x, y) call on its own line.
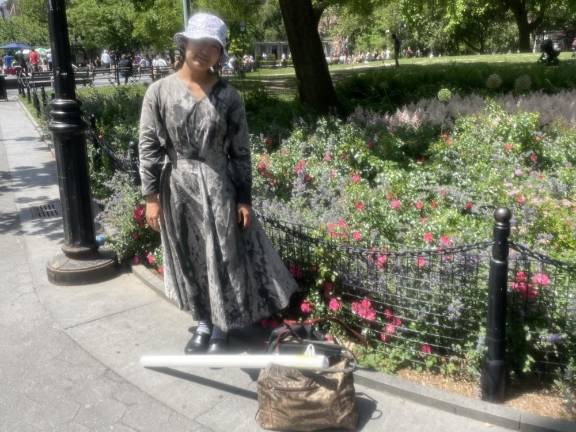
point(388, 315)
point(306, 307)
point(468, 206)
point(381, 261)
point(428, 237)
point(356, 235)
point(395, 204)
point(334, 304)
point(299, 166)
point(520, 277)
point(390, 329)
point(540, 279)
point(327, 156)
point(421, 261)
point(520, 199)
point(445, 241)
point(426, 349)
point(526, 290)
point(533, 157)
point(359, 206)
point(364, 309)
point(355, 178)
point(138, 215)
point(508, 147)
point(419, 205)
point(150, 258)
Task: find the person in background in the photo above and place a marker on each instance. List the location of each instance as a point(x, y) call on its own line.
point(125, 67)
point(34, 60)
point(106, 59)
point(397, 47)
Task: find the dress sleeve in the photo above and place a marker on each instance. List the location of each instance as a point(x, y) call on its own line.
point(239, 151)
point(150, 151)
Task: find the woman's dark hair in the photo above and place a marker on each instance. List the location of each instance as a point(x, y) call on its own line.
point(181, 58)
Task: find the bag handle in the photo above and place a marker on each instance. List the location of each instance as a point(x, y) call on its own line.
point(361, 338)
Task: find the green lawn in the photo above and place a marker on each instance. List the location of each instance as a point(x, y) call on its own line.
point(496, 58)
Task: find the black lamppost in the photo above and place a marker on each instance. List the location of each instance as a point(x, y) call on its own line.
point(81, 261)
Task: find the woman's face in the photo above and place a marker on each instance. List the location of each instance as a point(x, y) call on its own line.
point(202, 53)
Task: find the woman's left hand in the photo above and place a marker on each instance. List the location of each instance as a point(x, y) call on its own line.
point(243, 211)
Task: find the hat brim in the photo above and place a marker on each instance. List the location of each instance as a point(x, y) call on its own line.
point(182, 38)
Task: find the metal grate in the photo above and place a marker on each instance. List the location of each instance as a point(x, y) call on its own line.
point(48, 210)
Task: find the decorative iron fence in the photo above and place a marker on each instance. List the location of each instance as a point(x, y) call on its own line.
point(473, 306)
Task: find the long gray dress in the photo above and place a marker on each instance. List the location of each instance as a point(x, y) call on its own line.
point(196, 154)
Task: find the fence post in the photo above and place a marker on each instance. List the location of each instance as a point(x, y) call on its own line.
point(493, 379)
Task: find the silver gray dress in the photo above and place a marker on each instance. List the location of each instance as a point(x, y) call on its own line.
point(196, 154)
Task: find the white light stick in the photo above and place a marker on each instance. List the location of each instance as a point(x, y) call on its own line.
point(248, 361)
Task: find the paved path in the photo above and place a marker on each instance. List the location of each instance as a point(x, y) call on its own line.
point(70, 354)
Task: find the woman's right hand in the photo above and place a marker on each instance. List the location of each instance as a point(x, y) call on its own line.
point(153, 212)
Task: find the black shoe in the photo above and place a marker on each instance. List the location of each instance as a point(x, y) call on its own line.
point(197, 344)
point(217, 346)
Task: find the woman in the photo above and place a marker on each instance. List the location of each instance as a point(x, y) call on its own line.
point(196, 179)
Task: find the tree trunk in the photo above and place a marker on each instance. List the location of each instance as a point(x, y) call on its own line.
point(523, 30)
point(315, 87)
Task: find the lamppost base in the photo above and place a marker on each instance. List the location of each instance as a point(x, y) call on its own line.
point(100, 266)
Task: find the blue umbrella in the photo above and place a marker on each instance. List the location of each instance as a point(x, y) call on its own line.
point(15, 45)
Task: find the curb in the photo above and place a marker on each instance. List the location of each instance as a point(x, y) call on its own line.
point(498, 415)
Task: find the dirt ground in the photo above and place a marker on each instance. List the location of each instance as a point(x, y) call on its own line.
point(532, 400)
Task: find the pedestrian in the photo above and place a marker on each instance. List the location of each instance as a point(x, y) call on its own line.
point(397, 46)
point(34, 60)
point(105, 59)
point(159, 66)
point(125, 67)
point(196, 180)
point(574, 47)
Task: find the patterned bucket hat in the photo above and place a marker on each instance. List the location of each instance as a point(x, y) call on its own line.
point(205, 26)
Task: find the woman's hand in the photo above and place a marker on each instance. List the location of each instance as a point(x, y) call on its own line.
point(243, 211)
point(153, 212)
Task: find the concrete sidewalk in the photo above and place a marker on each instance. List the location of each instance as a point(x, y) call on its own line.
point(70, 354)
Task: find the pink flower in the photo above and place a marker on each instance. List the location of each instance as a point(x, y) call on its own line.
point(296, 271)
point(421, 261)
point(299, 166)
point(419, 205)
point(306, 307)
point(426, 349)
point(428, 237)
point(359, 206)
point(383, 336)
point(396, 322)
point(445, 241)
point(327, 156)
point(395, 204)
point(329, 338)
point(390, 329)
point(433, 204)
point(540, 279)
point(135, 260)
point(334, 304)
point(138, 215)
point(526, 290)
point(355, 178)
point(468, 206)
point(388, 315)
point(533, 157)
point(364, 309)
point(520, 199)
point(356, 235)
point(150, 258)
point(381, 261)
point(263, 166)
point(508, 147)
point(520, 277)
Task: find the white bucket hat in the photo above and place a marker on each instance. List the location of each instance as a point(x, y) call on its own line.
point(205, 26)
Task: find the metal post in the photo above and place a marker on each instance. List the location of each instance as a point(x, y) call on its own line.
point(186, 9)
point(81, 262)
point(493, 379)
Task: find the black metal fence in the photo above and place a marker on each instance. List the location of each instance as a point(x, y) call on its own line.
point(448, 308)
